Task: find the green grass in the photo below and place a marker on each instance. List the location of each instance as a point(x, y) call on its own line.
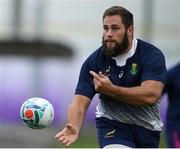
point(86, 141)
point(162, 143)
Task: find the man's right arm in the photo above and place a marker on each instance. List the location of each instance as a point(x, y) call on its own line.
point(75, 117)
point(77, 110)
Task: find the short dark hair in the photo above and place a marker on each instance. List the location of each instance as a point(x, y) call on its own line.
point(126, 15)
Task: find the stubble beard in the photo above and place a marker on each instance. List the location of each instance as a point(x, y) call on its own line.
point(118, 49)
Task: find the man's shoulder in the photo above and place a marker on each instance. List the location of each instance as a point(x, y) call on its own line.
point(98, 53)
point(147, 44)
point(148, 48)
point(94, 58)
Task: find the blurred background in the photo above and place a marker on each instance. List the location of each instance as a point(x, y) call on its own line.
point(43, 44)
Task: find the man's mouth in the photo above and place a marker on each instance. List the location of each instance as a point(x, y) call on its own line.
point(109, 41)
point(110, 44)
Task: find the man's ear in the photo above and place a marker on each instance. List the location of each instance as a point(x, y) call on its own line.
point(130, 31)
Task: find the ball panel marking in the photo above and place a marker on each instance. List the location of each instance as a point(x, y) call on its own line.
point(29, 113)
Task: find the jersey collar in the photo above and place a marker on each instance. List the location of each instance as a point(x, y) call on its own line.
point(121, 59)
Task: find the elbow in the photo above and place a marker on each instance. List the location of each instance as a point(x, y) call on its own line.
point(152, 99)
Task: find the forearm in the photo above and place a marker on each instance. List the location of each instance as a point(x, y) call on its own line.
point(134, 96)
point(76, 112)
point(75, 116)
point(139, 96)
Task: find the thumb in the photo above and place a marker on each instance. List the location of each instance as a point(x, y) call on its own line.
point(72, 127)
point(69, 125)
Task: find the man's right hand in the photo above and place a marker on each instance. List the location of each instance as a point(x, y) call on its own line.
point(68, 135)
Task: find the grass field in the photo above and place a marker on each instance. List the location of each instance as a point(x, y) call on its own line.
point(23, 137)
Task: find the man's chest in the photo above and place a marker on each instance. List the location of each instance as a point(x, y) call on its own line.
point(127, 75)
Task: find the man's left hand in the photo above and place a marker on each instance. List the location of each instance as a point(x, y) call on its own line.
point(102, 83)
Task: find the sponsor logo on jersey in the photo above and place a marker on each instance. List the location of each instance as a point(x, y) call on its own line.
point(121, 74)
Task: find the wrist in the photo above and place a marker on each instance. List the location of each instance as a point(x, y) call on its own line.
point(75, 128)
point(113, 91)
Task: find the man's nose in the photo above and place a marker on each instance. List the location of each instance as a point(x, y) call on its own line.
point(109, 32)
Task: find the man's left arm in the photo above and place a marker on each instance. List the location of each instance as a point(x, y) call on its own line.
point(146, 94)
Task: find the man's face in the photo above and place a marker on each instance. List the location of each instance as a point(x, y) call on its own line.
point(115, 40)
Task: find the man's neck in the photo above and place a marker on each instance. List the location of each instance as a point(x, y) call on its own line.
point(129, 46)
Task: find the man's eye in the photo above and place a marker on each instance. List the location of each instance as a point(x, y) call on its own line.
point(115, 28)
point(105, 28)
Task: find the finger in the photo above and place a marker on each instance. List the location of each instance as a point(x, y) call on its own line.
point(59, 134)
point(95, 75)
point(68, 143)
point(65, 141)
point(101, 75)
point(95, 80)
point(61, 139)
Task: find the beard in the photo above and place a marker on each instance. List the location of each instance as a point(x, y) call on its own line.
point(118, 49)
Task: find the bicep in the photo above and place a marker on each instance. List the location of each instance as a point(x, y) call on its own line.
point(154, 68)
